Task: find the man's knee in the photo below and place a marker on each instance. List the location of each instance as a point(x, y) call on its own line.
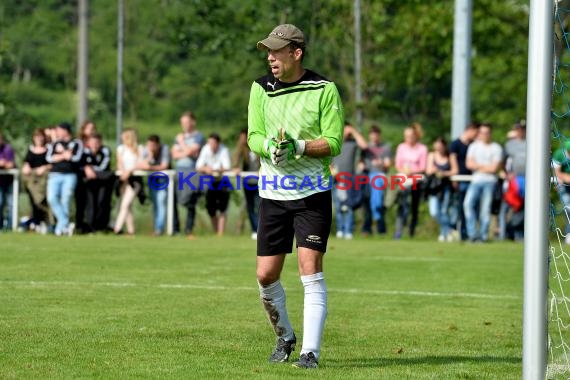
point(265, 277)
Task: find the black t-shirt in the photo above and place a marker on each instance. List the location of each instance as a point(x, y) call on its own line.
point(35, 160)
point(458, 148)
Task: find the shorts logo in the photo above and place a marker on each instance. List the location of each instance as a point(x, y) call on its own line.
point(313, 239)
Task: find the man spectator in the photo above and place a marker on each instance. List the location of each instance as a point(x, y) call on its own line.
point(345, 163)
point(155, 158)
point(511, 216)
point(185, 152)
point(99, 181)
point(458, 149)
point(7, 161)
point(561, 164)
point(214, 160)
point(377, 161)
point(484, 158)
point(64, 155)
point(248, 161)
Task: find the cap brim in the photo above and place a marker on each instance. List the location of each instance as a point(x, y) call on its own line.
point(272, 43)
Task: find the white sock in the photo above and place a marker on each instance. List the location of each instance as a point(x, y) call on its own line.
point(315, 312)
point(273, 300)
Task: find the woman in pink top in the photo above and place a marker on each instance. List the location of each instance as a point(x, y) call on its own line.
point(411, 158)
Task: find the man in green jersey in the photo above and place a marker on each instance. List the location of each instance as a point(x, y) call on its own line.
point(561, 164)
point(295, 124)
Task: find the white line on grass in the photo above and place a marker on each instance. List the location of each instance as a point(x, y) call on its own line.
point(46, 284)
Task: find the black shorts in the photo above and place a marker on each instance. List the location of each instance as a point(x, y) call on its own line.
point(308, 220)
point(217, 200)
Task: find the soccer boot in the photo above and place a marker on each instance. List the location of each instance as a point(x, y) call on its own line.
point(283, 350)
point(306, 361)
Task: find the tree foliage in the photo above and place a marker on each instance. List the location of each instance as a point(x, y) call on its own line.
point(201, 55)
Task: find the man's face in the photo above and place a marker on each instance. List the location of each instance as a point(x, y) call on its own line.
point(187, 124)
point(214, 144)
point(94, 144)
point(284, 62)
point(153, 146)
point(485, 134)
point(374, 137)
point(62, 134)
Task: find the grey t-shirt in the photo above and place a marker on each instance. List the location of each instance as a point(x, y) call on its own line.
point(376, 152)
point(344, 162)
point(484, 154)
point(164, 156)
point(189, 139)
point(515, 151)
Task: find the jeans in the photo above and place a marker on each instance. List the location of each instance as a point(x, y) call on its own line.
point(564, 194)
point(6, 203)
point(60, 189)
point(158, 198)
point(456, 214)
point(482, 193)
point(439, 210)
point(405, 205)
point(344, 213)
point(252, 204)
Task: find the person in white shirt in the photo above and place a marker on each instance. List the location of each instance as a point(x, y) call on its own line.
point(213, 161)
point(484, 158)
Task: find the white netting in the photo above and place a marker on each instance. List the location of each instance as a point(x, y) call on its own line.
point(559, 259)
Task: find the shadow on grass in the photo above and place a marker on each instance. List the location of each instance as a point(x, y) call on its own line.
point(423, 360)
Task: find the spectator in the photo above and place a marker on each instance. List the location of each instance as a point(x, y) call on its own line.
point(458, 150)
point(34, 175)
point(214, 159)
point(99, 182)
point(484, 158)
point(440, 167)
point(344, 199)
point(561, 164)
point(377, 158)
point(156, 157)
point(64, 155)
point(85, 131)
point(246, 160)
point(511, 216)
point(7, 161)
point(128, 156)
point(411, 158)
point(185, 151)
point(51, 134)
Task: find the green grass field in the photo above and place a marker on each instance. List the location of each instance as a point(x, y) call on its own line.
point(143, 307)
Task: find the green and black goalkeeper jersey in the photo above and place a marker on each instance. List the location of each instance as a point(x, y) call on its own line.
point(308, 109)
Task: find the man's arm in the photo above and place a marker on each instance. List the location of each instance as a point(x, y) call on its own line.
point(332, 125)
point(256, 134)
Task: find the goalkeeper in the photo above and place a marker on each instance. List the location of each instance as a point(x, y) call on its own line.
point(295, 123)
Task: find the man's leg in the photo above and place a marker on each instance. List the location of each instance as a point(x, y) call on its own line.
point(315, 305)
point(273, 298)
point(485, 209)
point(469, 207)
point(54, 189)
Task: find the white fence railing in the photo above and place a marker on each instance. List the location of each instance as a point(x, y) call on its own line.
point(143, 173)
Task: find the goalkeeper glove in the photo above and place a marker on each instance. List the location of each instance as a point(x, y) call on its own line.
point(288, 149)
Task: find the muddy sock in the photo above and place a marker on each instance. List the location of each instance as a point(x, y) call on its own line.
point(273, 300)
point(315, 312)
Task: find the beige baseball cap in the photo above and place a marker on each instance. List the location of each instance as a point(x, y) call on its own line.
point(282, 36)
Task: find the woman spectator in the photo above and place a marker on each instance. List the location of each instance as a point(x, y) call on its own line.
point(440, 167)
point(411, 158)
point(35, 173)
point(128, 155)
